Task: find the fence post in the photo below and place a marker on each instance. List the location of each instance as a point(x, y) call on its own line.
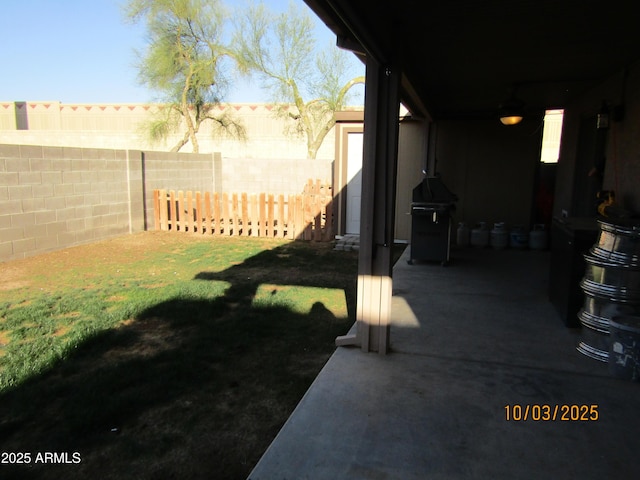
point(207, 212)
point(254, 216)
point(189, 213)
point(280, 220)
point(173, 221)
point(262, 206)
point(299, 230)
point(225, 214)
point(156, 209)
point(270, 227)
point(289, 218)
point(162, 213)
point(199, 212)
point(308, 217)
point(245, 215)
point(328, 219)
point(317, 217)
point(180, 211)
point(216, 213)
point(234, 211)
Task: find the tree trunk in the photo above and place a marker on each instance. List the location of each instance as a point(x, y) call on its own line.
point(181, 143)
point(191, 129)
point(314, 144)
point(194, 139)
point(184, 110)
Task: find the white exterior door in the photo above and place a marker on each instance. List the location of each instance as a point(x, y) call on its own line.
point(354, 182)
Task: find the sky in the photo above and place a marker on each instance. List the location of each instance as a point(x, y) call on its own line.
point(82, 51)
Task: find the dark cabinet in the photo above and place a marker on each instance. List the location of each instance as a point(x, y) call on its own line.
point(571, 238)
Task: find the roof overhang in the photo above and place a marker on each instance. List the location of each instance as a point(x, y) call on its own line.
point(463, 58)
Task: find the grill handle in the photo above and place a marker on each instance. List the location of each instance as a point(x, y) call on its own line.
point(424, 210)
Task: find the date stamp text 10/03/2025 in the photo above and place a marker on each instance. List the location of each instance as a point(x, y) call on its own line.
point(551, 413)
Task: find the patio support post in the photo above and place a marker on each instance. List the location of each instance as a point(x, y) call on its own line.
point(380, 153)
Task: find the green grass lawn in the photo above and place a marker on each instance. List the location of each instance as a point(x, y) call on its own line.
point(164, 356)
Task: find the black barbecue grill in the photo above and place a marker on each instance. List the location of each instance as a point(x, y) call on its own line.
point(431, 208)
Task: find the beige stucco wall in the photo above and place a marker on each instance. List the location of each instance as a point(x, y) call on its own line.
point(118, 126)
point(491, 168)
point(621, 171)
point(412, 154)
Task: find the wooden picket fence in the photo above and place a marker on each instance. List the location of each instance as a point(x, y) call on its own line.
point(308, 216)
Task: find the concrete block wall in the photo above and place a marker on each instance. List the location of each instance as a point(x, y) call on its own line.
point(212, 173)
point(55, 197)
point(176, 171)
point(286, 176)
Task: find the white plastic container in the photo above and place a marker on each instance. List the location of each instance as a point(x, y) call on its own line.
point(462, 235)
point(480, 235)
point(519, 237)
point(499, 236)
point(538, 237)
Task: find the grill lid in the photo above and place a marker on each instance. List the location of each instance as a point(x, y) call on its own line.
point(431, 191)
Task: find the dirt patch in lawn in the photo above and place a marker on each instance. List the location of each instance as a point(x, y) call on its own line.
point(13, 278)
point(41, 271)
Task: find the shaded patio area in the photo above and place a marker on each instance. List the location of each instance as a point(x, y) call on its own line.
point(467, 340)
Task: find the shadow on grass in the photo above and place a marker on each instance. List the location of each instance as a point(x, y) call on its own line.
point(191, 388)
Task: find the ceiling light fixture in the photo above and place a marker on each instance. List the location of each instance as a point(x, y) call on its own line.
point(511, 111)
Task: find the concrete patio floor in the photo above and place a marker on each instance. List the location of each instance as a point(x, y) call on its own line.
point(467, 340)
